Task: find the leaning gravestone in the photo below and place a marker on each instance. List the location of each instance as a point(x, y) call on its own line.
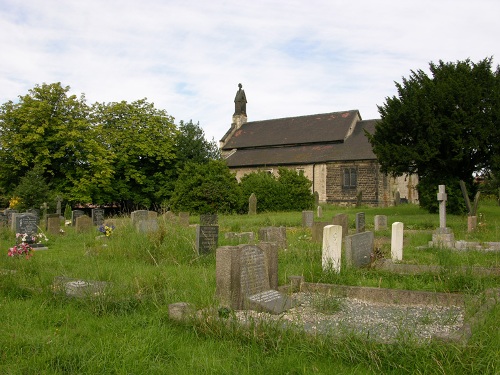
point(83, 224)
point(242, 280)
point(380, 222)
point(274, 234)
point(307, 219)
point(343, 221)
point(252, 204)
point(97, 216)
point(360, 222)
point(359, 249)
point(76, 214)
point(209, 219)
point(207, 238)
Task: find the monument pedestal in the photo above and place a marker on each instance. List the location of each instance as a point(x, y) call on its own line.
point(443, 237)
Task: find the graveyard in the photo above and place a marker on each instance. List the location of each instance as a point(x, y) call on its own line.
point(331, 290)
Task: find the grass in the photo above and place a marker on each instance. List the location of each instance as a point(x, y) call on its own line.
point(127, 330)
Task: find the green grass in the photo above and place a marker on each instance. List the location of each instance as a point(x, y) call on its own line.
point(127, 330)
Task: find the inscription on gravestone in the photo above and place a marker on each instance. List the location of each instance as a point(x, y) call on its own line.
point(26, 223)
point(254, 278)
point(207, 238)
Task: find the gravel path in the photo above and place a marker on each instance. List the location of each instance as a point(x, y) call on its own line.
point(318, 313)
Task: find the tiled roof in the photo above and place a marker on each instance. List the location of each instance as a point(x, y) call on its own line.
point(355, 147)
point(302, 130)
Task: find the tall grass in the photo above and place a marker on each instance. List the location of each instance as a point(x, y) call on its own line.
point(127, 331)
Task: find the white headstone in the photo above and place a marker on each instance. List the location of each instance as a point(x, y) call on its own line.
point(332, 248)
point(397, 241)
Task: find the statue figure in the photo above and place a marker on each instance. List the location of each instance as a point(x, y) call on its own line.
point(240, 102)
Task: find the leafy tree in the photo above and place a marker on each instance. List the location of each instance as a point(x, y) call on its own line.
point(32, 190)
point(50, 130)
point(443, 128)
point(140, 141)
point(192, 146)
point(206, 188)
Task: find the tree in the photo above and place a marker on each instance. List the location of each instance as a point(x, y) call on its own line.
point(51, 130)
point(206, 188)
point(443, 128)
point(32, 190)
point(191, 145)
point(140, 141)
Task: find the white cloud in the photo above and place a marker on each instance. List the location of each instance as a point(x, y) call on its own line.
point(293, 58)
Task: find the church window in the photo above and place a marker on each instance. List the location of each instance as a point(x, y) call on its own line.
point(350, 178)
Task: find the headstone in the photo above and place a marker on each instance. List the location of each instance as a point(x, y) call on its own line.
point(343, 221)
point(170, 217)
point(97, 216)
point(397, 241)
point(138, 215)
point(76, 214)
point(317, 230)
point(380, 222)
point(83, 224)
point(242, 280)
point(332, 248)
point(274, 234)
point(360, 222)
point(252, 204)
point(147, 226)
point(241, 237)
point(209, 219)
point(443, 236)
point(26, 223)
point(397, 198)
point(359, 249)
point(316, 199)
point(319, 212)
point(270, 250)
point(53, 224)
point(442, 197)
point(184, 219)
point(48, 216)
point(207, 238)
point(307, 219)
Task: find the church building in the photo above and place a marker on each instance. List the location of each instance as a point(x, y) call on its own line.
point(331, 149)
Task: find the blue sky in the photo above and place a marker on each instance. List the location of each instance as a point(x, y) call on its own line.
point(187, 57)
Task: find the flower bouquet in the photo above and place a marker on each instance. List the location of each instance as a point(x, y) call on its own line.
point(106, 229)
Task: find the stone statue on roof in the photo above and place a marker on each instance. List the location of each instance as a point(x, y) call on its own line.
point(240, 102)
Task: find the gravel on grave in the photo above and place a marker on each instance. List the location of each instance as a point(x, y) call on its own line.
point(378, 321)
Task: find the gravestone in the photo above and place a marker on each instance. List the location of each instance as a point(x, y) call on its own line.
point(317, 230)
point(58, 205)
point(319, 212)
point(147, 226)
point(360, 222)
point(316, 199)
point(332, 248)
point(26, 223)
point(53, 224)
point(209, 219)
point(343, 221)
point(274, 234)
point(207, 238)
point(307, 219)
point(443, 236)
point(170, 217)
point(138, 215)
point(397, 198)
point(98, 216)
point(270, 250)
point(76, 214)
point(184, 219)
point(359, 249)
point(242, 280)
point(397, 241)
point(380, 222)
point(9, 214)
point(47, 217)
point(153, 215)
point(83, 224)
point(241, 237)
point(252, 204)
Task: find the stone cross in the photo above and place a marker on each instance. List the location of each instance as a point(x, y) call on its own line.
point(58, 206)
point(441, 197)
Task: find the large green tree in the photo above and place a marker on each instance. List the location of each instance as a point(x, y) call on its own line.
point(443, 127)
point(192, 146)
point(140, 140)
point(50, 130)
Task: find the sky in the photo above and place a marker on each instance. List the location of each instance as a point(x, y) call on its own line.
point(293, 58)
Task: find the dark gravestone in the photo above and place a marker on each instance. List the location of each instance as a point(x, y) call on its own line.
point(26, 223)
point(76, 214)
point(359, 249)
point(207, 238)
point(209, 219)
point(307, 219)
point(317, 230)
point(98, 216)
point(274, 234)
point(343, 221)
point(360, 222)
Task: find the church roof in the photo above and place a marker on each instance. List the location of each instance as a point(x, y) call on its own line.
point(302, 130)
point(329, 141)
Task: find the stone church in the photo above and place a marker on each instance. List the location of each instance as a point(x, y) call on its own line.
point(331, 149)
